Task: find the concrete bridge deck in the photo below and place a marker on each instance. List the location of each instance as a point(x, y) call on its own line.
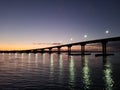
point(82, 44)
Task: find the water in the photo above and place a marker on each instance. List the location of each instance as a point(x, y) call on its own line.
point(62, 72)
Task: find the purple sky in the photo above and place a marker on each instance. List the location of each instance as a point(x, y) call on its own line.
point(24, 22)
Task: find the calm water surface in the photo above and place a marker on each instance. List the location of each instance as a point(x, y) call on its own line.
point(59, 72)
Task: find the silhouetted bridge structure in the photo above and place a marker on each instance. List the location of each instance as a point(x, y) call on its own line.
point(82, 44)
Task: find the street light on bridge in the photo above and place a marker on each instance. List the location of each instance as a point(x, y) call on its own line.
point(106, 31)
point(85, 36)
point(71, 39)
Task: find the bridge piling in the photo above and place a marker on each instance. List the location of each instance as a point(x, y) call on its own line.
point(50, 50)
point(42, 51)
point(69, 49)
point(104, 48)
point(83, 49)
point(59, 50)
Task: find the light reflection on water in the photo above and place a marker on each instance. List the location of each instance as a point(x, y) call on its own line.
point(60, 65)
point(43, 58)
point(36, 60)
point(85, 71)
point(72, 72)
point(107, 70)
point(51, 66)
point(53, 71)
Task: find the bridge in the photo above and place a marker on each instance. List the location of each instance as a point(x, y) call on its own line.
point(82, 44)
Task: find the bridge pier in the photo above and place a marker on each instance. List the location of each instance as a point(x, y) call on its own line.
point(50, 50)
point(104, 49)
point(59, 50)
point(83, 49)
point(34, 51)
point(42, 51)
point(69, 49)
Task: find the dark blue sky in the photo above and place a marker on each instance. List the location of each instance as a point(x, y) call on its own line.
point(24, 22)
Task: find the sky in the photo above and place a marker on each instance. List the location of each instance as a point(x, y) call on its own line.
point(25, 22)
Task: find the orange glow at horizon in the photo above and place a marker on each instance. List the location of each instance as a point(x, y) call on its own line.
point(27, 46)
point(21, 47)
